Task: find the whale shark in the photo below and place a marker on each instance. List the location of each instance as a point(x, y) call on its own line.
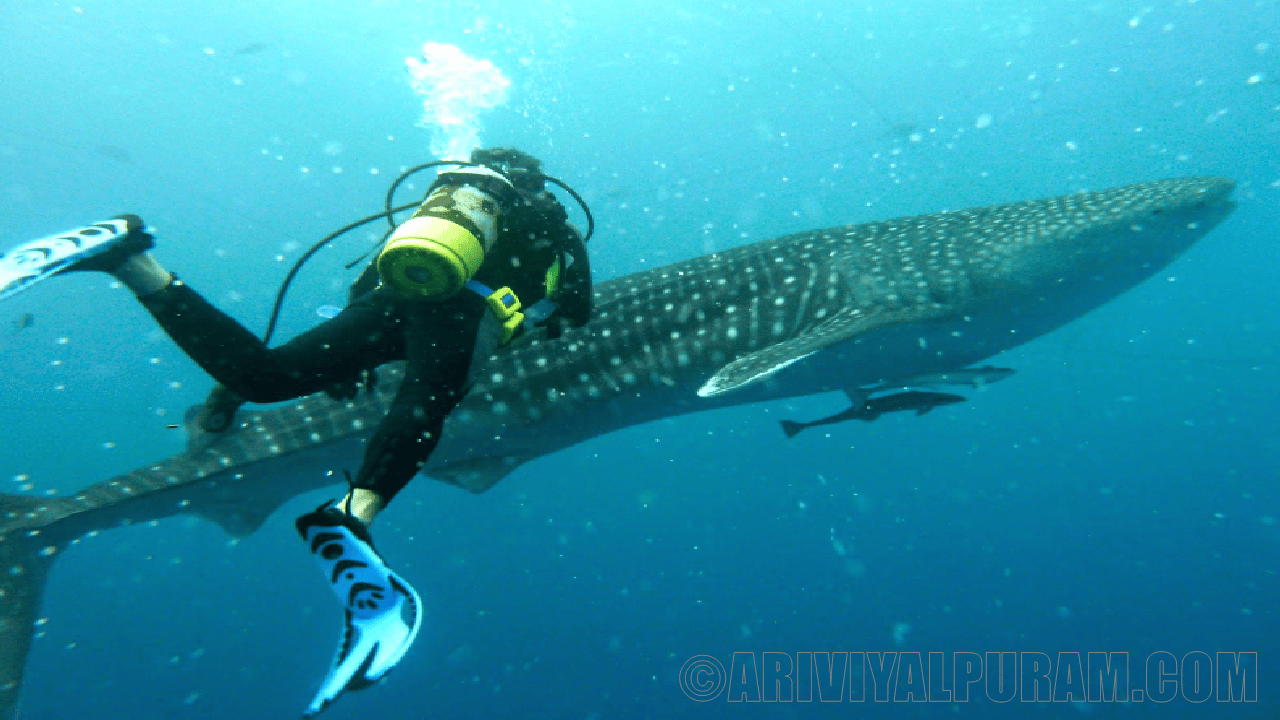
point(818, 311)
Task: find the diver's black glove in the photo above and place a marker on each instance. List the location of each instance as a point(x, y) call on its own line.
point(553, 324)
point(573, 307)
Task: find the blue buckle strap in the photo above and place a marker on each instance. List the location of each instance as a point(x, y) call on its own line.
point(504, 305)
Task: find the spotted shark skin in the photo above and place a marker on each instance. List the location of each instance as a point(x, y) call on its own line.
point(812, 312)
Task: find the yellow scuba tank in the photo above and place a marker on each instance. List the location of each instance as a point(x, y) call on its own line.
point(434, 253)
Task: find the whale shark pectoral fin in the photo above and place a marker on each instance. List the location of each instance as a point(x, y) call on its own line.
point(479, 474)
point(739, 374)
point(763, 364)
point(240, 520)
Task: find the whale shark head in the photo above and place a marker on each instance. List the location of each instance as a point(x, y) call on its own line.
point(1087, 243)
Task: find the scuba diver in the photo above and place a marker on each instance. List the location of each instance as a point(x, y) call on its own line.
point(446, 291)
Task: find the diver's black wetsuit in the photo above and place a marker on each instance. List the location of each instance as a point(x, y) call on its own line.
point(438, 339)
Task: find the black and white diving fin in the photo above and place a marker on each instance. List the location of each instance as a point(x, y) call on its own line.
point(31, 262)
point(383, 612)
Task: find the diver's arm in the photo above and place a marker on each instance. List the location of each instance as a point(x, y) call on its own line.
point(574, 296)
point(439, 349)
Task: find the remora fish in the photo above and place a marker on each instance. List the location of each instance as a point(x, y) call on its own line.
point(808, 313)
point(863, 407)
point(870, 409)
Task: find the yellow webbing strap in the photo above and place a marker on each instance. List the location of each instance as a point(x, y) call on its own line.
point(552, 280)
point(505, 306)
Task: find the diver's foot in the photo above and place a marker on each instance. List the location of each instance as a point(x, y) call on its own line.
point(109, 255)
point(383, 613)
point(104, 246)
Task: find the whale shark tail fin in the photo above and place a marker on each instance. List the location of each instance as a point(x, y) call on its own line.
point(791, 427)
point(27, 551)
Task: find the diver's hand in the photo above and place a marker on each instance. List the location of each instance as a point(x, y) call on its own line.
point(571, 311)
point(348, 390)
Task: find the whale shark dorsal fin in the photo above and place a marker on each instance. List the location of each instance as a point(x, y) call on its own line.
point(858, 396)
point(764, 363)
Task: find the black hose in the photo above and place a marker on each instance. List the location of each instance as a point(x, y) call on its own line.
point(293, 272)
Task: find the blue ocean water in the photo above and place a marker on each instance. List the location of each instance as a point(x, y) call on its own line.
point(1118, 494)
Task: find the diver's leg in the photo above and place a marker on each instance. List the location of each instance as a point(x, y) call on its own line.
point(366, 334)
point(382, 609)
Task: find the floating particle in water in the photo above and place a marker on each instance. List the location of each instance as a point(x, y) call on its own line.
point(251, 49)
point(983, 121)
